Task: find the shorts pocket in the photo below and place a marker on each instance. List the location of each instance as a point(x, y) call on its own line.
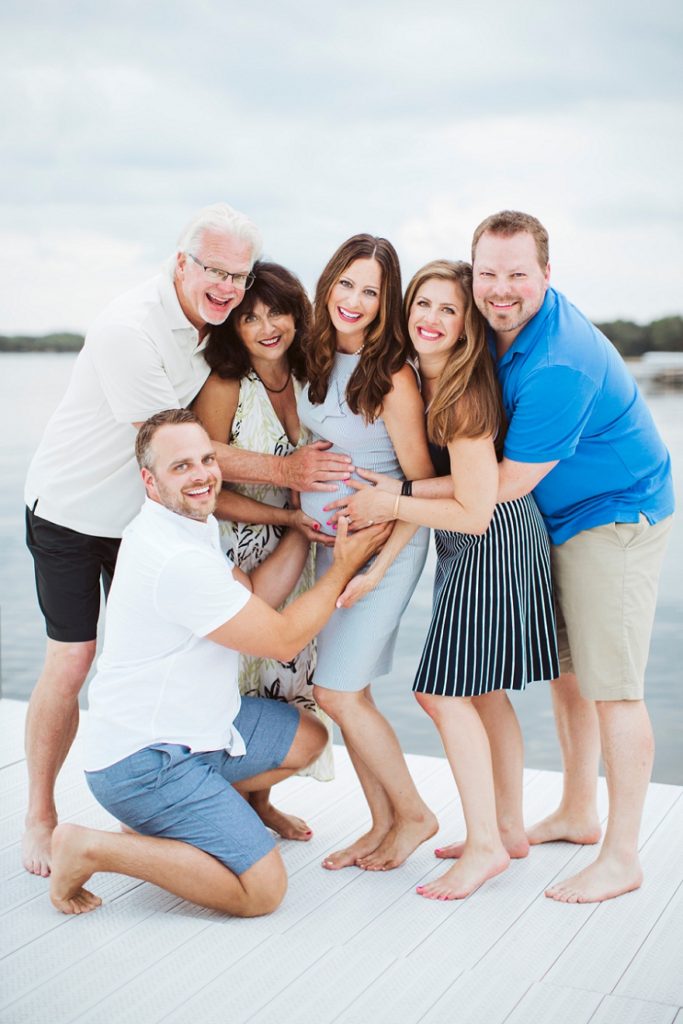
point(629, 534)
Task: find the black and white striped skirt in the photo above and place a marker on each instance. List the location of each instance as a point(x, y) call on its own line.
point(493, 619)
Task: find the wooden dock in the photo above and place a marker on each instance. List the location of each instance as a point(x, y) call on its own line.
point(347, 947)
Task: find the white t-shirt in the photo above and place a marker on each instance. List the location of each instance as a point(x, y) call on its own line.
point(141, 355)
point(159, 680)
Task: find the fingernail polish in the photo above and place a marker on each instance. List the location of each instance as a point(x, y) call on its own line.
point(316, 526)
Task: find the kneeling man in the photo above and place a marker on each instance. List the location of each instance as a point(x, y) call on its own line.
point(170, 745)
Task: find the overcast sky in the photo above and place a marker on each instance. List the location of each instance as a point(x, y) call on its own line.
point(406, 119)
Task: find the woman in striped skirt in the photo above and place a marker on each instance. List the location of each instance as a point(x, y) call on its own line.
point(493, 626)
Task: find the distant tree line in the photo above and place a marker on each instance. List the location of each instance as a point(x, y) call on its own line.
point(47, 343)
point(665, 335)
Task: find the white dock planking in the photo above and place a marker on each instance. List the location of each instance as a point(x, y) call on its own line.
point(347, 947)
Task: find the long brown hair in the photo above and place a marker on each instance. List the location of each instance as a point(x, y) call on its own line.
point(467, 402)
point(385, 345)
point(277, 288)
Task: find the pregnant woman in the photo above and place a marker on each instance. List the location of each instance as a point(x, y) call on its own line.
point(493, 626)
point(250, 399)
point(363, 397)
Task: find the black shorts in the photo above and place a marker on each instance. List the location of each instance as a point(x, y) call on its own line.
point(68, 567)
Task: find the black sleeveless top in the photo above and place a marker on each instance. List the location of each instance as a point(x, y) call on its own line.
point(441, 460)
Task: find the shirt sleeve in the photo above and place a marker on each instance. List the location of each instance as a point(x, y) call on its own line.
point(196, 589)
point(131, 372)
point(549, 415)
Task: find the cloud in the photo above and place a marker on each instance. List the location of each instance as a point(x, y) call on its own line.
point(320, 121)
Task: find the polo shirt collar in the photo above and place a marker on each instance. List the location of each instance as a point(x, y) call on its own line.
point(171, 304)
point(529, 334)
point(174, 312)
point(199, 531)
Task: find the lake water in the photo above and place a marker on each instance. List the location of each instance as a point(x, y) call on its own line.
point(30, 387)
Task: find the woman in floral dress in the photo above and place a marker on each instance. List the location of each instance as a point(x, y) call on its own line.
point(250, 399)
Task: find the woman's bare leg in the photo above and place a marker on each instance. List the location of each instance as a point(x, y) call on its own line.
point(467, 748)
point(288, 826)
point(308, 743)
point(507, 758)
point(401, 819)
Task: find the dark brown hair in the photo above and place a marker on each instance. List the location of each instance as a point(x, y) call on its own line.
point(145, 435)
point(385, 345)
point(512, 222)
point(467, 402)
point(278, 289)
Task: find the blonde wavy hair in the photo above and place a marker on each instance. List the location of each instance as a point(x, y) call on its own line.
point(468, 401)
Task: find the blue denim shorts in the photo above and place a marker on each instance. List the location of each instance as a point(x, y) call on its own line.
point(164, 790)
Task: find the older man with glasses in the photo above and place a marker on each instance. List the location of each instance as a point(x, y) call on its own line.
point(144, 353)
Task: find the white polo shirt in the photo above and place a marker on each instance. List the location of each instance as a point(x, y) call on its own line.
point(159, 680)
point(141, 355)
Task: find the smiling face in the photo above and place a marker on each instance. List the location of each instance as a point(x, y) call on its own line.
point(185, 477)
point(436, 320)
point(266, 333)
point(204, 301)
point(509, 284)
point(353, 302)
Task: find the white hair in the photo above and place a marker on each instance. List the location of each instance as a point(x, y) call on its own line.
point(221, 217)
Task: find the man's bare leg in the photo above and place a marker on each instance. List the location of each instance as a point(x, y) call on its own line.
point(466, 745)
point(507, 757)
point(177, 867)
point(169, 863)
point(576, 819)
point(628, 754)
point(387, 784)
point(51, 724)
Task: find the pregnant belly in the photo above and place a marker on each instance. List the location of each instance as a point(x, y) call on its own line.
point(312, 503)
point(374, 455)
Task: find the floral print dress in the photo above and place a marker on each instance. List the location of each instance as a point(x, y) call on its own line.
point(256, 428)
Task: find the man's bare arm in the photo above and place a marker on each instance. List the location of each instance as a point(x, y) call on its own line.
point(275, 578)
point(258, 629)
point(515, 479)
point(311, 468)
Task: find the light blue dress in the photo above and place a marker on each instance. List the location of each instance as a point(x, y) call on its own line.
point(357, 644)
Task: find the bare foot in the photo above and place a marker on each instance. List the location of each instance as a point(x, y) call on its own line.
point(516, 844)
point(71, 867)
point(471, 871)
point(562, 827)
point(602, 880)
point(36, 848)
point(402, 839)
point(350, 856)
point(286, 825)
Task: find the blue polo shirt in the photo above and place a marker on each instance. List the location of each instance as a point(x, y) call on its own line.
point(568, 396)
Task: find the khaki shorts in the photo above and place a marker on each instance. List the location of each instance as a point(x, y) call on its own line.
point(606, 589)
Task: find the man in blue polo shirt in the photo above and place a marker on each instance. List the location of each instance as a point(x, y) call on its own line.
point(582, 439)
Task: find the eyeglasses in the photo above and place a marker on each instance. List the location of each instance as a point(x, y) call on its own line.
point(240, 280)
